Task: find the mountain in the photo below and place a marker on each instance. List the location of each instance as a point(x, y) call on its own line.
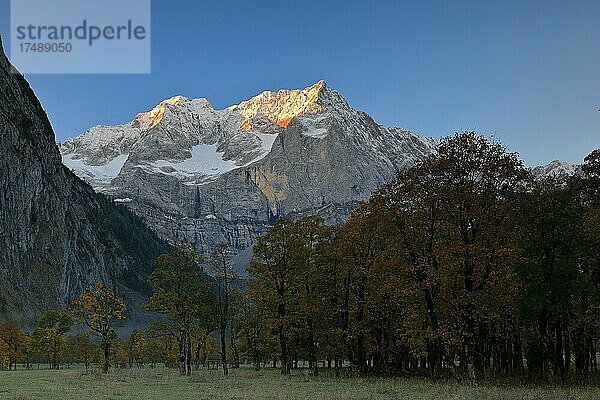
point(556, 169)
point(57, 236)
point(205, 175)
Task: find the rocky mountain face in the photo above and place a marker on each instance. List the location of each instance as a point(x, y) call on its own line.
point(57, 236)
point(205, 176)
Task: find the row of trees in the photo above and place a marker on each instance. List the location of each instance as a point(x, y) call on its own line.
point(54, 349)
point(193, 305)
point(464, 264)
point(98, 309)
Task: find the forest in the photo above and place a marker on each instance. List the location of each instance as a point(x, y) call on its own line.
point(464, 266)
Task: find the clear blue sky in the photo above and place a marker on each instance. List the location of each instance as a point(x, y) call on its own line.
point(526, 71)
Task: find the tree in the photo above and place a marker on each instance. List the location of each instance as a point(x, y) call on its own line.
point(138, 348)
point(48, 336)
point(329, 292)
point(183, 295)
point(274, 283)
point(13, 343)
point(156, 352)
point(254, 340)
point(222, 271)
point(449, 223)
point(311, 235)
point(360, 245)
point(84, 349)
point(99, 309)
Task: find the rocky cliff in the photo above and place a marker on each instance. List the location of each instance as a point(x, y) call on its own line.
point(57, 236)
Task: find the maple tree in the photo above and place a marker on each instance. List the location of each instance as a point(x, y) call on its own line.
point(99, 309)
point(222, 271)
point(183, 295)
point(13, 343)
point(274, 282)
point(83, 348)
point(48, 338)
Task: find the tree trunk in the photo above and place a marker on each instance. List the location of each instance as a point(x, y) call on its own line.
point(517, 352)
point(312, 356)
point(285, 367)
point(188, 355)
point(235, 354)
point(106, 350)
point(223, 350)
point(559, 363)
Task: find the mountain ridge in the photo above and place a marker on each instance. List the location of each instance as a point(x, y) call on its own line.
point(264, 116)
point(204, 175)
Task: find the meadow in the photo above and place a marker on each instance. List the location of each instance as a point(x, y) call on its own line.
point(245, 383)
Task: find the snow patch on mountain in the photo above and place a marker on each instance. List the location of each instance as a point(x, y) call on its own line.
point(267, 140)
point(100, 174)
point(205, 160)
point(313, 126)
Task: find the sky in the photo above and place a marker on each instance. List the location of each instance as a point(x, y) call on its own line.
point(526, 72)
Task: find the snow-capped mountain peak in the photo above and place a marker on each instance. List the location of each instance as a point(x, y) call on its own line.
point(190, 141)
point(281, 106)
point(556, 169)
point(209, 175)
point(154, 116)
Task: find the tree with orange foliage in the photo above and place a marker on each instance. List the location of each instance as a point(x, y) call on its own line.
point(275, 282)
point(221, 268)
point(99, 309)
point(182, 294)
point(49, 337)
point(453, 220)
point(83, 348)
point(13, 343)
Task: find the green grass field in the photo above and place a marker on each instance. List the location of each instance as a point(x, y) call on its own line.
point(161, 383)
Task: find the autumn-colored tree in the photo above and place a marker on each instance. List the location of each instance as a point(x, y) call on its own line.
point(481, 183)
point(310, 239)
point(222, 271)
point(13, 343)
point(156, 352)
point(449, 223)
point(121, 354)
point(274, 284)
point(99, 309)
point(413, 222)
point(254, 341)
point(138, 348)
point(48, 338)
point(83, 348)
point(183, 295)
point(360, 245)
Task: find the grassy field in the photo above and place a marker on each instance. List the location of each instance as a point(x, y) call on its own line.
point(161, 383)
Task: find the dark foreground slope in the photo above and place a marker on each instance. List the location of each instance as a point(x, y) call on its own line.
point(57, 236)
